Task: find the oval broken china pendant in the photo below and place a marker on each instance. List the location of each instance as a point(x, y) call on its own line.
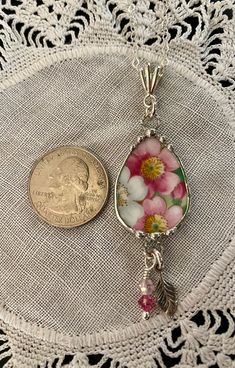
point(152, 196)
point(152, 200)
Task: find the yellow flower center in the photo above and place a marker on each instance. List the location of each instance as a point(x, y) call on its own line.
point(122, 194)
point(151, 168)
point(155, 224)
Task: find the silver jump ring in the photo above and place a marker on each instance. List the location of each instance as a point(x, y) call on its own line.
point(153, 258)
point(149, 100)
point(159, 260)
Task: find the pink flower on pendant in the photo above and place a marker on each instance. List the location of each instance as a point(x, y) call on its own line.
point(155, 165)
point(179, 191)
point(157, 218)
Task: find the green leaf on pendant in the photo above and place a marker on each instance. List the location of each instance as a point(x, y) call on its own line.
point(177, 202)
point(180, 174)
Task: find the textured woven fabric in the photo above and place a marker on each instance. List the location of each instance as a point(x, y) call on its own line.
point(66, 278)
point(80, 286)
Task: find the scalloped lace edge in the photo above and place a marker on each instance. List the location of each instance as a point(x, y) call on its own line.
point(191, 301)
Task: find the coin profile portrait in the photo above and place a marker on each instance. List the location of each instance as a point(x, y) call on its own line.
point(65, 186)
point(68, 182)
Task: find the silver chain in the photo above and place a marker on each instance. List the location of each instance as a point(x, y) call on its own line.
point(164, 45)
point(150, 78)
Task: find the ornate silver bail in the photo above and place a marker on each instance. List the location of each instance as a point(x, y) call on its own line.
point(150, 81)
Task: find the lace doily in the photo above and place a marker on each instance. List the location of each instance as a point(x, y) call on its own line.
point(69, 297)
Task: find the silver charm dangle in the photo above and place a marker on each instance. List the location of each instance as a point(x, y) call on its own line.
point(152, 198)
point(147, 301)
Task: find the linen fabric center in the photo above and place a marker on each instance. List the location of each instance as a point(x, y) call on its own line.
point(84, 279)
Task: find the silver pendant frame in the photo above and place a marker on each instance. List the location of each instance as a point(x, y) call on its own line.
point(156, 235)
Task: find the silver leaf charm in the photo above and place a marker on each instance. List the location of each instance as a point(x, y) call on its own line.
point(167, 298)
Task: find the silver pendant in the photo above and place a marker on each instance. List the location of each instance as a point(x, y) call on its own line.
point(152, 200)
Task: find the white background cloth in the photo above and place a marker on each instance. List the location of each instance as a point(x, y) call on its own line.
point(85, 280)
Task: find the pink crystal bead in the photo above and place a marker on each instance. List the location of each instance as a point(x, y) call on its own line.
point(147, 286)
point(146, 302)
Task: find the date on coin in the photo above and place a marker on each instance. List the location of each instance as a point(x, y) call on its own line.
point(68, 187)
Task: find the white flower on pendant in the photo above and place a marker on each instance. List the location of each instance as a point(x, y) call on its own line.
point(129, 191)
